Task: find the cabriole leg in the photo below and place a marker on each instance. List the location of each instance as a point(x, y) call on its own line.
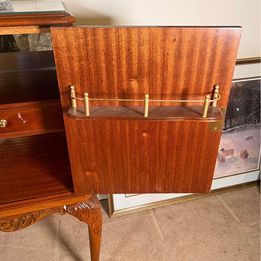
point(90, 213)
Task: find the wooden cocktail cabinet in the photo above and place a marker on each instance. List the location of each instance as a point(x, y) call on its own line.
point(136, 110)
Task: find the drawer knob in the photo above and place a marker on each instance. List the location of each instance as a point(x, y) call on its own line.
point(3, 123)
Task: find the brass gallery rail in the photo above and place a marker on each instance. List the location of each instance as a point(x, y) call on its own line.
point(206, 101)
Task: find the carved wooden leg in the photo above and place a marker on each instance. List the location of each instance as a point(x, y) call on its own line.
point(87, 211)
point(90, 213)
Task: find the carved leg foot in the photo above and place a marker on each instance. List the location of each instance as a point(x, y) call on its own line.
point(90, 213)
point(87, 211)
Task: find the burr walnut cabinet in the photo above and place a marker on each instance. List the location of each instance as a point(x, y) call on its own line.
point(135, 110)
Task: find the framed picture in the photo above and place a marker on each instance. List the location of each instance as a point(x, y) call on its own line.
point(239, 149)
point(238, 160)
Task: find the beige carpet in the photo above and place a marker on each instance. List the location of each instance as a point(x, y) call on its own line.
point(225, 227)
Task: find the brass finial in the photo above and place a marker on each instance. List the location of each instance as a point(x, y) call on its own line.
point(86, 104)
point(205, 107)
point(146, 105)
point(73, 97)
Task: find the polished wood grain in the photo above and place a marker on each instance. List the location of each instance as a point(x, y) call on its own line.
point(40, 203)
point(128, 62)
point(27, 76)
point(30, 29)
point(34, 166)
point(141, 156)
point(31, 118)
point(120, 152)
point(36, 19)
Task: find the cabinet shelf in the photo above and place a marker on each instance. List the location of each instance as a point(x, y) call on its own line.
point(34, 166)
point(193, 112)
point(27, 76)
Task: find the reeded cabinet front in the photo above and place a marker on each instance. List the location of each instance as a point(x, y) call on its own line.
point(142, 109)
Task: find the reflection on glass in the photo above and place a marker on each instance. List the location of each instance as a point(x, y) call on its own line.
point(239, 150)
point(25, 42)
point(31, 7)
point(6, 6)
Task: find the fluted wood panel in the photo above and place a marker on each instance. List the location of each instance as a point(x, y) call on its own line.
point(166, 62)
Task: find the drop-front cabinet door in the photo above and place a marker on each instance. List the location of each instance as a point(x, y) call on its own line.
point(143, 106)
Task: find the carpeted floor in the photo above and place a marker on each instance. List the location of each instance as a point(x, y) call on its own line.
point(224, 227)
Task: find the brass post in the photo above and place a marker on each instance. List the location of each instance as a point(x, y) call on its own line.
point(146, 105)
point(205, 107)
point(215, 95)
point(86, 104)
point(73, 97)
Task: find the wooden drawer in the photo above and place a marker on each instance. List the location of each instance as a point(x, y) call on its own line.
point(30, 118)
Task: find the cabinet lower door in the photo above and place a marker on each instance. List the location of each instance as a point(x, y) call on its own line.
point(141, 156)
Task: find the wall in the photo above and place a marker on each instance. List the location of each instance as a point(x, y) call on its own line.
point(245, 13)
